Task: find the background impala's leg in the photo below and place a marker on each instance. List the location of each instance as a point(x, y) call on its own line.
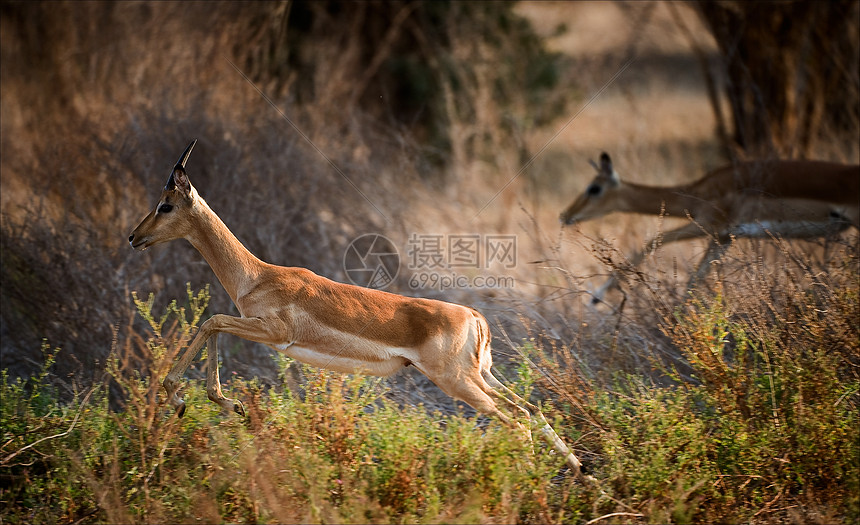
point(213, 381)
point(600, 293)
point(716, 249)
point(688, 231)
point(613, 281)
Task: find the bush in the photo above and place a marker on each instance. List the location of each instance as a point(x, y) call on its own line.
point(336, 452)
point(760, 424)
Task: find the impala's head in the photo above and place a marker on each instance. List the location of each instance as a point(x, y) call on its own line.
point(169, 219)
point(598, 198)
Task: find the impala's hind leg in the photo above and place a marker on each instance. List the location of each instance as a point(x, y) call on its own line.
point(496, 389)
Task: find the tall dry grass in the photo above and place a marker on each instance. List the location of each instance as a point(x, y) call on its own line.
point(98, 100)
point(753, 419)
point(339, 452)
point(99, 97)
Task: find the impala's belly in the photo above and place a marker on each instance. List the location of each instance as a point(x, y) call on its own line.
point(788, 229)
point(798, 218)
point(383, 362)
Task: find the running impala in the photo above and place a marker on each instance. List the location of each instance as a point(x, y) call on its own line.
point(328, 324)
point(798, 199)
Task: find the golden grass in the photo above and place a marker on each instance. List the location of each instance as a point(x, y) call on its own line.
point(87, 143)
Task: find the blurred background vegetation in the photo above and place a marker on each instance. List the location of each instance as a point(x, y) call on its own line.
point(449, 117)
point(398, 96)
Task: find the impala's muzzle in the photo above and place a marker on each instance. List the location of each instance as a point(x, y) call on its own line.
point(136, 243)
point(139, 242)
point(567, 218)
point(573, 213)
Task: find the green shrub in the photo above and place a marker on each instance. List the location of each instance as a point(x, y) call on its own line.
point(767, 417)
point(337, 451)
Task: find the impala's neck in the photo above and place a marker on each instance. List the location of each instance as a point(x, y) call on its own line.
point(651, 200)
point(235, 267)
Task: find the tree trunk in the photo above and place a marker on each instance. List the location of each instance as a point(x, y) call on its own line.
point(790, 73)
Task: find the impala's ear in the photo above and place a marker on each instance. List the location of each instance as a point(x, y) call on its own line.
point(605, 163)
point(171, 183)
point(180, 181)
point(179, 178)
point(606, 168)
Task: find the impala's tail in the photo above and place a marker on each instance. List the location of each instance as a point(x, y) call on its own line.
point(483, 340)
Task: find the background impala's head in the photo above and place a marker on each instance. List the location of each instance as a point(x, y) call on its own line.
point(169, 219)
point(598, 197)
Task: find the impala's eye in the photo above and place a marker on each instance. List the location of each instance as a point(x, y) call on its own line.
point(165, 208)
point(594, 189)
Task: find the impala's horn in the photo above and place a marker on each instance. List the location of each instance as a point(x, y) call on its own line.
point(180, 165)
point(184, 158)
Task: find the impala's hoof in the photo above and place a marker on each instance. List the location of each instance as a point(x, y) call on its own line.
point(239, 408)
point(180, 410)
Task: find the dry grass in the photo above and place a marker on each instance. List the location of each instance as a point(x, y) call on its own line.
point(98, 101)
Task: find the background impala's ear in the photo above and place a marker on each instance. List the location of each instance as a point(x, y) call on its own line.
point(179, 178)
point(606, 168)
point(605, 163)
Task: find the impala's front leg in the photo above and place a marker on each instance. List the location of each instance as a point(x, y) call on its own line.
point(213, 381)
point(171, 382)
point(716, 249)
point(253, 329)
point(688, 231)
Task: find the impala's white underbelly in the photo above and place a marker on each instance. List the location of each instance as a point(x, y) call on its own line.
point(383, 362)
point(785, 229)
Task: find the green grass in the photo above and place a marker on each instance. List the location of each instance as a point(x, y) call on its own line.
point(338, 453)
point(762, 427)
